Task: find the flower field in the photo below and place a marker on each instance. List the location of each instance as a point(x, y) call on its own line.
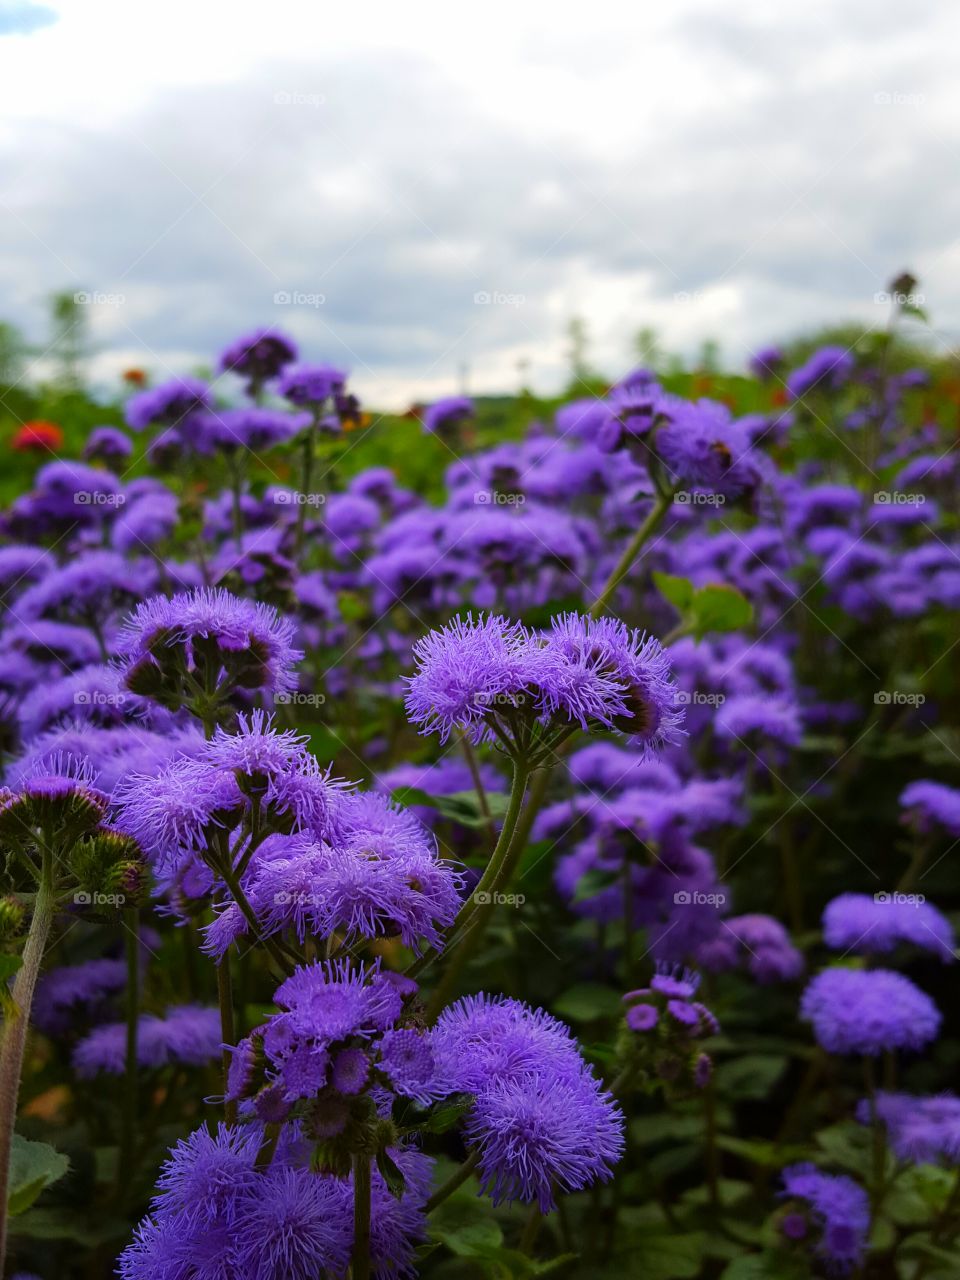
point(513, 839)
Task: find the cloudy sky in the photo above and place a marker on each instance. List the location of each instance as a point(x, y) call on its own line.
point(427, 192)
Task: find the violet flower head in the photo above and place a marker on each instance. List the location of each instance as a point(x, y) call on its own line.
point(706, 450)
point(828, 369)
point(921, 1130)
point(868, 1012)
point(168, 404)
point(866, 924)
point(187, 1034)
point(107, 444)
point(311, 385)
point(839, 1208)
point(930, 805)
point(258, 356)
point(446, 416)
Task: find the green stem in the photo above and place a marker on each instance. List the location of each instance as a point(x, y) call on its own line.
point(455, 1181)
point(470, 923)
point(482, 801)
point(14, 1034)
point(128, 1124)
point(360, 1269)
point(225, 996)
point(879, 1165)
point(630, 552)
point(306, 479)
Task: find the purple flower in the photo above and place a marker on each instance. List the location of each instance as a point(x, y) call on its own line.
point(64, 992)
point(766, 363)
point(747, 718)
point(839, 1208)
point(258, 356)
point(868, 1011)
point(226, 636)
point(294, 1227)
point(187, 1034)
point(445, 416)
point(758, 943)
point(828, 369)
point(865, 924)
point(705, 449)
point(931, 804)
point(311, 384)
point(176, 812)
point(408, 1061)
point(540, 1134)
point(167, 405)
point(107, 444)
point(251, 428)
point(923, 1130)
point(88, 591)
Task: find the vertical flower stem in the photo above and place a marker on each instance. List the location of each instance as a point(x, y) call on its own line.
point(471, 759)
point(633, 548)
point(14, 1033)
point(454, 1182)
point(309, 450)
point(360, 1268)
point(128, 1122)
point(227, 1033)
point(471, 920)
point(879, 1143)
point(710, 1139)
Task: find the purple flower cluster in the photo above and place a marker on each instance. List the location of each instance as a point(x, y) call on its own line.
point(868, 1012)
point(839, 1210)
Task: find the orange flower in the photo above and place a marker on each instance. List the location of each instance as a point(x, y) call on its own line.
point(135, 377)
point(38, 435)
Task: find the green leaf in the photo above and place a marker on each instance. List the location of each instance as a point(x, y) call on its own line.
point(472, 1239)
point(752, 1076)
point(719, 607)
point(33, 1167)
point(765, 1266)
point(679, 591)
point(657, 1255)
point(587, 1001)
point(446, 1114)
point(391, 1173)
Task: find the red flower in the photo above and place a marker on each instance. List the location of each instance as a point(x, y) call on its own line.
point(38, 435)
point(136, 377)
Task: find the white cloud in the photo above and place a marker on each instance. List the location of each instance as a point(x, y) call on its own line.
point(706, 171)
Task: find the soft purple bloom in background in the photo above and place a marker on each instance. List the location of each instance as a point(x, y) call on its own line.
point(258, 356)
point(746, 718)
point(766, 362)
point(107, 444)
point(931, 805)
point(706, 450)
point(311, 384)
point(868, 1011)
point(188, 1034)
point(168, 404)
point(250, 428)
point(827, 370)
point(840, 1210)
point(757, 943)
point(446, 415)
point(922, 1130)
point(64, 993)
point(869, 924)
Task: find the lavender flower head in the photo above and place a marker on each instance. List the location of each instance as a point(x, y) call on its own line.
point(839, 1208)
point(311, 385)
point(921, 1130)
point(446, 416)
point(875, 924)
point(932, 804)
point(168, 404)
point(868, 1012)
point(259, 356)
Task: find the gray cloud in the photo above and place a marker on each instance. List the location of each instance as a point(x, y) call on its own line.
point(821, 164)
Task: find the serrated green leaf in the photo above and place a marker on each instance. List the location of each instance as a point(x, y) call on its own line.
point(679, 591)
point(33, 1167)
